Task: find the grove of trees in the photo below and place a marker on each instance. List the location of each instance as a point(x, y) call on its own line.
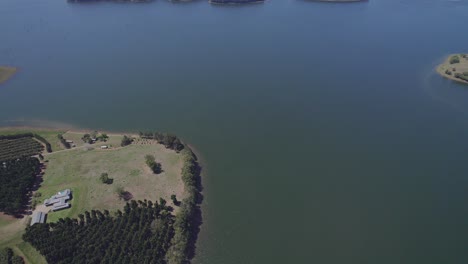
point(142, 233)
point(168, 140)
point(17, 176)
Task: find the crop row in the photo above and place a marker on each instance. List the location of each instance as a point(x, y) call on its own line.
point(15, 148)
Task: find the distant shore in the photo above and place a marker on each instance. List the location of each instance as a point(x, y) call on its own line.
point(6, 72)
point(455, 67)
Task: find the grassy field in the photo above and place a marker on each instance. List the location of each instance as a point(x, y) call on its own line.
point(11, 231)
point(79, 169)
point(6, 72)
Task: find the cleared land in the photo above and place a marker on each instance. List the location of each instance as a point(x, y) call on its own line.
point(455, 67)
point(79, 169)
point(6, 73)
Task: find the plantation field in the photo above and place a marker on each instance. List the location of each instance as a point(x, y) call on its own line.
point(16, 148)
point(49, 134)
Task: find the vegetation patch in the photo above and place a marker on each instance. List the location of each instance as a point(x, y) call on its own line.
point(141, 233)
point(6, 73)
point(17, 176)
point(7, 256)
point(455, 68)
point(17, 146)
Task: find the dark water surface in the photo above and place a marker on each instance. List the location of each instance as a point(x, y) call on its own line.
point(326, 136)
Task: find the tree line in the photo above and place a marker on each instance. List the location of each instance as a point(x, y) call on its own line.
point(170, 141)
point(187, 220)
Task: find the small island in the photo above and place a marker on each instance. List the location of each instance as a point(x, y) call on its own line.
point(455, 67)
point(6, 72)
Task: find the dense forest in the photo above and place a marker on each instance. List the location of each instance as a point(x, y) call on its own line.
point(142, 233)
point(17, 176)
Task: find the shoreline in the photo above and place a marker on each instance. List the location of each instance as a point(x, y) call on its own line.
point(446, 66)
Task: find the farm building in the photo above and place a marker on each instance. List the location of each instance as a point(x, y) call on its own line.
point(38, 217)
point(59, 201)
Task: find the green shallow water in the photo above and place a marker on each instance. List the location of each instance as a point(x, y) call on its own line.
point(326, 136)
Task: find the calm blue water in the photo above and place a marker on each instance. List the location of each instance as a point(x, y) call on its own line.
point(325, 134)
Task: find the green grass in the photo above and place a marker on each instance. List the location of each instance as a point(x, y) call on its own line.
point(79, 170)
point(29, 253)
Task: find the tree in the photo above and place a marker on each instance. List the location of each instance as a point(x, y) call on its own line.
point(120, 191)
point(103, 137)
point(152, 164)
point(126, 141)
point(174, 200)
point(454, 59)
point(105, 178)
point(87, 139)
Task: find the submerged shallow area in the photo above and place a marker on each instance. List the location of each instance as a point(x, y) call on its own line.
point(6, 72)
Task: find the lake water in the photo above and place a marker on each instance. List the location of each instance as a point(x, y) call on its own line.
point(325, 134)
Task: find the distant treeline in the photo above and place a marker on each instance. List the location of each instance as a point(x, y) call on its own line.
point(210, 1)
point(63, 141)
point(235, 1)
point(170, 141)
point(17, 176)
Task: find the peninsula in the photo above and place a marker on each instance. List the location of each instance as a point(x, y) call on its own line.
point(6, 72)
point(455, 67)
point(138, 193)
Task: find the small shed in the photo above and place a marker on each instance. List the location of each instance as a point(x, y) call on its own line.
point(104, 147)
point(38, 217)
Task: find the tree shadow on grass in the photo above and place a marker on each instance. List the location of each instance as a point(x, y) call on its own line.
point(127, 196)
